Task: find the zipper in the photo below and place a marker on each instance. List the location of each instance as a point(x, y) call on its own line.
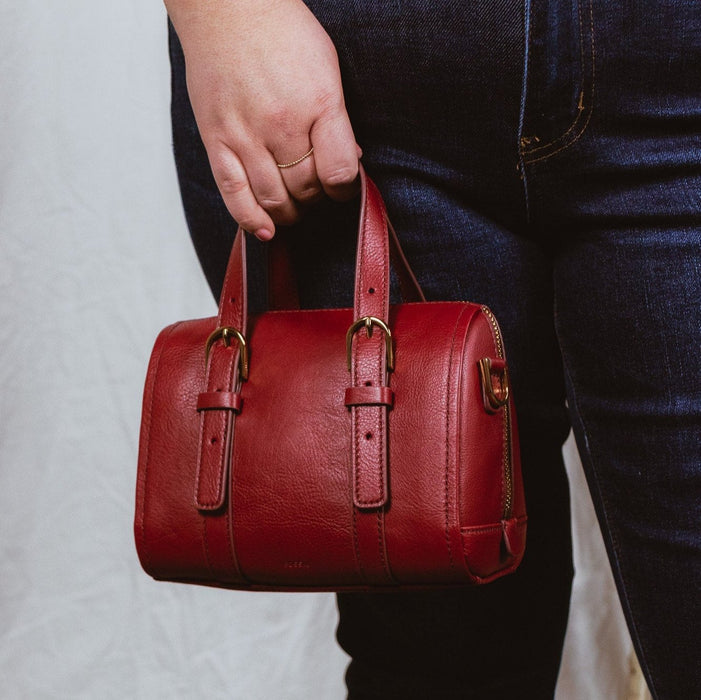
point(507, 464)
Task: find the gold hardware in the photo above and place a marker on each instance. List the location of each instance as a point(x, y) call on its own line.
point(369, 322)
point(493, 400)
point(226, 333)
point(508, 464)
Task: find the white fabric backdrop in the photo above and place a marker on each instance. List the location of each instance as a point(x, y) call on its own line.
point(94, 260)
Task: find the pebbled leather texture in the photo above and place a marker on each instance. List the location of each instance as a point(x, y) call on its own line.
point(309, 477)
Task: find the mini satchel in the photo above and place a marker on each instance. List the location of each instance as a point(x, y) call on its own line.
point(372, 448)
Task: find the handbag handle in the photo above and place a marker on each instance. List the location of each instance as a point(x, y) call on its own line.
point(377, 240)
point(282, 281)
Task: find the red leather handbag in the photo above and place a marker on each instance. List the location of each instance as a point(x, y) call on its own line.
point(339, 449)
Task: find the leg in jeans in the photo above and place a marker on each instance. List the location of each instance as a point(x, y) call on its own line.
point(621, 204)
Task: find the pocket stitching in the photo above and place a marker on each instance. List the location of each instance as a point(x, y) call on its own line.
point(534, 155)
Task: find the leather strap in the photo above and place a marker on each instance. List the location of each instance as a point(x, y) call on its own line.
point(368, 359)
point(216, 426)
point(409, 287)
point(282, 282)
point(369, 424)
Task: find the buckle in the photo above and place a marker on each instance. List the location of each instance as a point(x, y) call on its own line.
point(369, 322)
point(226, 333)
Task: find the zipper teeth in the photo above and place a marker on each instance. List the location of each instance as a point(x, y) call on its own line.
point(497, 331)
point(507, 465)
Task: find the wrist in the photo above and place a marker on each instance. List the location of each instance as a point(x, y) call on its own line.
point(189, 15)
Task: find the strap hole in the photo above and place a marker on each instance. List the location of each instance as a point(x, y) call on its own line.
point(371, 290)
point(368, 383)
point(213, 441)
point(368, 436)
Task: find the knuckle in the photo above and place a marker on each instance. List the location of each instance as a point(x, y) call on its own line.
point(308, 194)
point(231, 186)
point(271, 203)
point(329, 104)
point(339, 176)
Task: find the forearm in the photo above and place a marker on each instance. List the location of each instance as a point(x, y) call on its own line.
point(195, 19)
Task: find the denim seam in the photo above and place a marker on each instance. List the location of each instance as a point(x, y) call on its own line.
point(522, 110)
point(564, 141)
point(602, 513)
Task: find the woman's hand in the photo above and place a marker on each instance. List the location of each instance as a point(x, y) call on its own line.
point(265, 88)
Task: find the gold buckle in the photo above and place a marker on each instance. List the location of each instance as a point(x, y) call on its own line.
point(369, 322)
point(226, 333)
point(493, 400)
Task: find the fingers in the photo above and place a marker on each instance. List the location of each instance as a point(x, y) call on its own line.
point(336, 155)
point(299, 174)
point(268, 186)
point(260, 194)
point(235, 188)
point(283, 192)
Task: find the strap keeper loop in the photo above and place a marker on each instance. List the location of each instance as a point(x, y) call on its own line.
point(221, 400)
point(369, 396)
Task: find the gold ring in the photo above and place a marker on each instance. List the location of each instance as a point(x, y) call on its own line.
point(295, 162)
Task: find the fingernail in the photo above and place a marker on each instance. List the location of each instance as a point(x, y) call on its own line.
point(264, 234)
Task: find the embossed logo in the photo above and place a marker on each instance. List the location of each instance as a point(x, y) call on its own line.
point(296, 565)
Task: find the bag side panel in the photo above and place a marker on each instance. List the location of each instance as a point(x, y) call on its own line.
point(168, 527)
point(491, 490)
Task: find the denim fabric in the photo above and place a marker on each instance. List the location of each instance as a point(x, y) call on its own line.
point(542, 157)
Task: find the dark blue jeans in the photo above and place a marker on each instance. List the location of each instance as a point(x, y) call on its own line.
point(542, 157)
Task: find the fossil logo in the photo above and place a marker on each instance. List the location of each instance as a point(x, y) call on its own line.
point(296, 565)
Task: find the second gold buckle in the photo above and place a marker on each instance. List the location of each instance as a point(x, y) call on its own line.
point(369, 322)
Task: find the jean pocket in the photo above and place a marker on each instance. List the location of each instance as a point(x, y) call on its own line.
point(560, 77)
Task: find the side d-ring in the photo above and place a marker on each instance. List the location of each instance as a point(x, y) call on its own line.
point(226, 333)
point(369, 322)
point(493, 398)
